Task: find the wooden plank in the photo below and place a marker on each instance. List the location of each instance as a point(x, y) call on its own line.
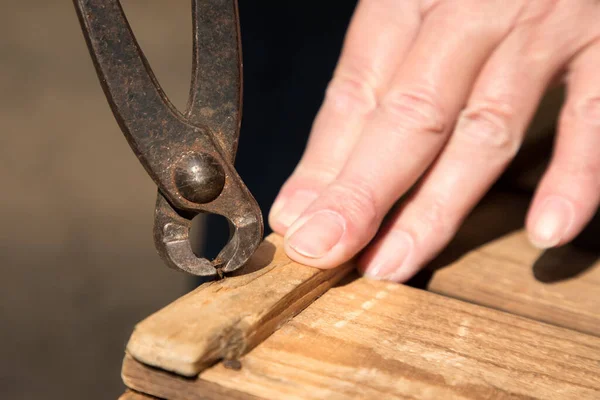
point(131, 395)
point(559, 286)
point(377, 340)
point(498, 215)
point(226, 318)
point(167, 385)
point(488, 263)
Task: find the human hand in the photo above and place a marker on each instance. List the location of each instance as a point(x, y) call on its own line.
point(441, 91)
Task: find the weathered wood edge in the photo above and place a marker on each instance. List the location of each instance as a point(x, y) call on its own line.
point(226, 319)
point(131, 395)
point(165, 385)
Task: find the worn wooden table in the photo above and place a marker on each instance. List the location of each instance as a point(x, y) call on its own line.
point(497, 319)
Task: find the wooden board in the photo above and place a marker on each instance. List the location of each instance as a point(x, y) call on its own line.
point(377, 340)
point(559, 286)
point(368, 339)
point(131, 395)
point(491, 263)
point(166, 385)
point(227, 318)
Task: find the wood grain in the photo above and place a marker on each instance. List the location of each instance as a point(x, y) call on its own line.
point(559, 286)
point(131, 395)
point(378, 340)
point(225, 319)
point(167, 385)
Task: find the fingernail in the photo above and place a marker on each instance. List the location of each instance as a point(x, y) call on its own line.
point(553, 220)
point(390, 256)
point(286, 212)
point(317, 235)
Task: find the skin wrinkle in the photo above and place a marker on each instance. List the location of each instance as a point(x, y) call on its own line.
point(409, 122)
point(415, 108)
point(359, 202)
point(536, 12)
point(360, 70)
point(487, 126)
point(430, 218)
point(352, 92)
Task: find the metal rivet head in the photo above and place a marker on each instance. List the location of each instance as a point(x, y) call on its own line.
point(199, 178)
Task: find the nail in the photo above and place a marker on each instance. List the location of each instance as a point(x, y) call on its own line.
point(316, 236)
point(552, 222)
point(390, 256)
point(286, 212)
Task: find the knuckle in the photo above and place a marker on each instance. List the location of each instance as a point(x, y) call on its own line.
point(352, 92)
point(430, 218)
point(488, 126)
point(586, 110)
point(414, 110)
point(356, 202)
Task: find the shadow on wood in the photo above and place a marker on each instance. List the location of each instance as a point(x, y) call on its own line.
point(498, 215)
point(563, 263)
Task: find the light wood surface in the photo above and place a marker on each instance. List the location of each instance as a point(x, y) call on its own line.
point(491, 263)
point(369, 339)
point(131, 395)
point(559, 286)
point(166, 385)
point(378, 340)
point(227, 318)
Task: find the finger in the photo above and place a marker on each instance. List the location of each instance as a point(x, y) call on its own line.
point(569, 193)
point(486, 138)
point(380, 34)
point(401, 138)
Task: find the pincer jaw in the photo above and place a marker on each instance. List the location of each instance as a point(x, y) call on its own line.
point(172, 241)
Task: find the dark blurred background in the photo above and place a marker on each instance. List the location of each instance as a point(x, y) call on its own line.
point(78, 264)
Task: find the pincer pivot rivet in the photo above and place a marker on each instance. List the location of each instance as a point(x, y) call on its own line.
point(199, 178)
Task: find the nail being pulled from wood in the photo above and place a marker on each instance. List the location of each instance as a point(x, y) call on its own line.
point(222, 320)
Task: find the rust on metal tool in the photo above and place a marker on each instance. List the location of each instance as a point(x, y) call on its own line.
point(189, 155)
